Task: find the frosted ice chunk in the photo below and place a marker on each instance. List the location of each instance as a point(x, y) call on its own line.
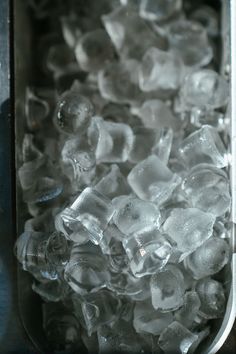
point(135, 215)
point(203, 146)
point(90, 213)
point(148, 252)
point(73, 113)
point(209, 258)
point(188, 312)
point(113, 184)
point(205, 88)
point(159, 10)
point(188, 39)
point(98, 309)
point(167, 289)
point(87, 269)
point(207, 188)
point(93, 50)
point(130, 35)
point(189, 228)
point(212, 297)
point(156, 114)
point(177, 339)
point(148, 320)
point(118, 82)
point(152, 180)
point(160, 71)
point(112, 141)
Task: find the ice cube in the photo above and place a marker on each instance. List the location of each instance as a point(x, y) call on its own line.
point(207, 188)
point(51, 291)
point(135, 215)
point(204, 88)
point(188, 40)
point(155, 114)
point(118, 82)
point(119, 337)
point(202, 115)
point(125, 283)
point(188, 312)
point(152, 180)
point(148, 252)
point(36, 110)
point(57, 249)
point(112, 141)
point(70, 29)
point(160, 71)
point(208, 17)
point(78, 162)
point(203, 146)
point(113, 184)
point(159, 10)
point(87, 269)
point(163, 148)
point(167, 289)
point(90, 213)
point(177, 339)
point(130, 35)
point(189, 228)
point(62, 328)
point(31, 253)
point(73, 113)
point(209, 258)
point(148, 320)
point(212, 297)
point(93, 50)
point(99, 308)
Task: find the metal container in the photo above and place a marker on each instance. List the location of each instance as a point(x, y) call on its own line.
point(20, 308)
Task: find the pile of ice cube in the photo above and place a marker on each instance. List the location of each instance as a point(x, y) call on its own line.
point(125, 177)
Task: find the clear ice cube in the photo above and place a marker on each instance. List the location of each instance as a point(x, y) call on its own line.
point(156, 114)
point(57, 249)
point(112, 141)
point(189, 40)
point(148, 320)
point(212, 297)
point(208, 17)
point(70, 29)
point(118, 82)
point(93, 50)
point(204, 88)
point(148, 252)
point(209, 258)
point(160, 71)
point(177, 339)
point(113, 184)
point(152, 180)
point(130, 34)
point(36, 110)
point(159, 10)
point(135, 215)
point(31, 253)
point(189, 311)
point(86, 269)
point(73, 113)
point(98, 309)
point(207, 188)
point(203, 146)
point(189, 228)
point(90, 213)
point(167, 289)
